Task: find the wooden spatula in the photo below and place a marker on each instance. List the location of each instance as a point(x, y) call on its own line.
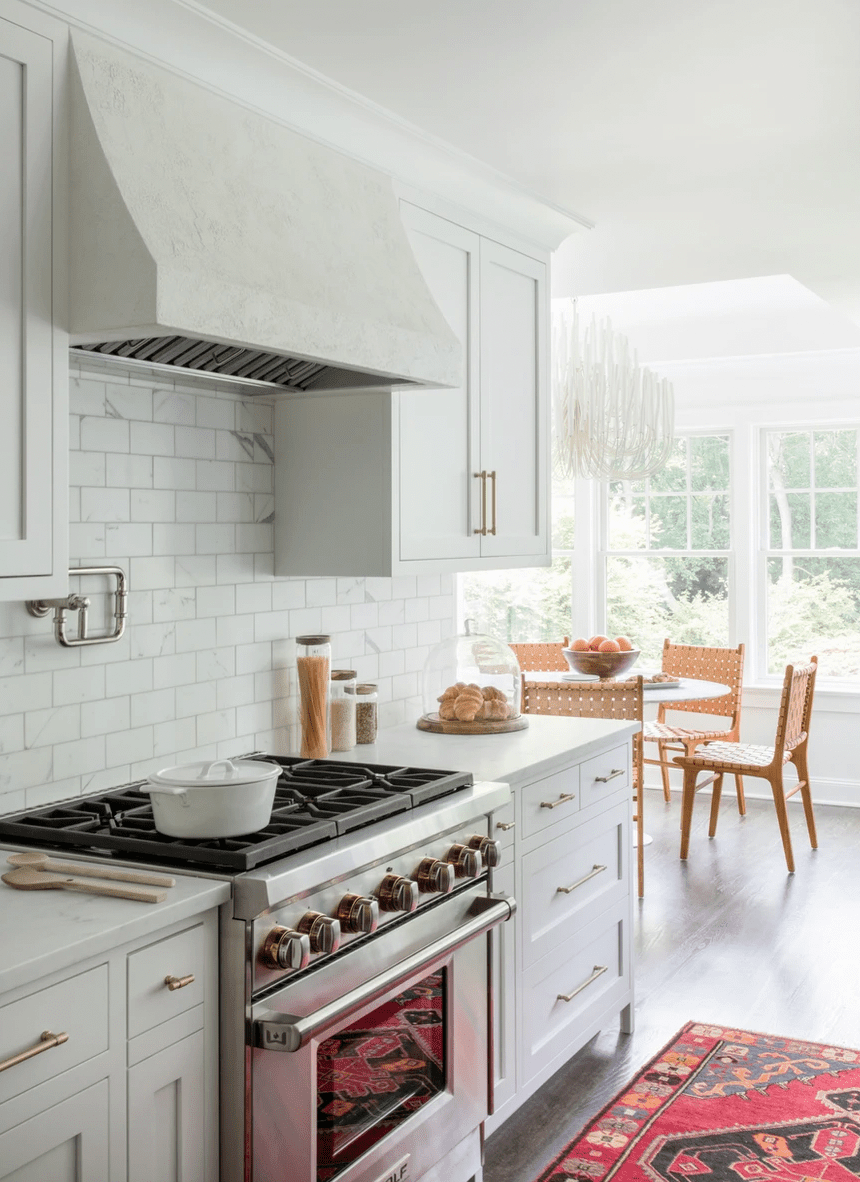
point(42, 880)
point(89, 870)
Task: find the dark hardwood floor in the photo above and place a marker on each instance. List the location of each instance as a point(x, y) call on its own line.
point(727, 937)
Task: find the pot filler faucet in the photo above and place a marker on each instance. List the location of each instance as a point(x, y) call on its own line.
point(81, 604)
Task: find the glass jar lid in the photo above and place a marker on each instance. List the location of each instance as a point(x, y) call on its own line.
point(313, 639)
point(365, 688)
point(343, 675)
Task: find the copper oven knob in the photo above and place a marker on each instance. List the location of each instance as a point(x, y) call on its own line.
point(322, 931)
point(397, 894)
point(490, 850)
point(435, 877)
point(358, 914)
point(466, 862)
point(286, 949)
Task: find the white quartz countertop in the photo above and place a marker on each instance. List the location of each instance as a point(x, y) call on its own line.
point(44, 931)
point(548, 744)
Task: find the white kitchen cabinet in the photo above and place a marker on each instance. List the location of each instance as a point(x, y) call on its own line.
point(430, 480)
point(132, 1094)
point(570, 956)
point(33, 347)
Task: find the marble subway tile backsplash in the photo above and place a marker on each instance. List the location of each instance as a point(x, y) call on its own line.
point(175, 485)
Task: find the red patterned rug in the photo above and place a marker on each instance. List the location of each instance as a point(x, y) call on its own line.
point(723, 1105)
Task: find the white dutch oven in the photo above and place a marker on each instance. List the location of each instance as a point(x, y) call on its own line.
point(217, 798)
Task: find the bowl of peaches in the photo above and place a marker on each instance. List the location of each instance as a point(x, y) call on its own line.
point(601, 656)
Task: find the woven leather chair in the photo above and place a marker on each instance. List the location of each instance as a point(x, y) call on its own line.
point(540, 657)
point(792, 737)
point(598, 699)
point(724, 665)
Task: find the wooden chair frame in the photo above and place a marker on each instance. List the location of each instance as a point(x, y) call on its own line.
point(725, 665)
point(767, 763)
point(599, 699)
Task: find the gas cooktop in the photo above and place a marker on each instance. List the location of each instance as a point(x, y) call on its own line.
point(315, 800)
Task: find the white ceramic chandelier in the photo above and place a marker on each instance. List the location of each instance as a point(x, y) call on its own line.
point(614, 418)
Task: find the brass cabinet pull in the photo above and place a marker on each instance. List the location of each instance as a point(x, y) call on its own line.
point(505, 825)
point(553, 804)
point(492, 476)
point(599, 969)
point(46, 1041)
point(616, 771)
point(569, 889)
point(178, 982)
point(482, 476)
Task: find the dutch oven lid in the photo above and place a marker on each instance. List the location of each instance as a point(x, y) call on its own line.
point(211, 773)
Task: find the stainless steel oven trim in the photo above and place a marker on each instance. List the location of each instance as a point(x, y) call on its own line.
point(276, 1031)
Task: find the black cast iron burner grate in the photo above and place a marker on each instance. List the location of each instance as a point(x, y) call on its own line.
point(315, 801)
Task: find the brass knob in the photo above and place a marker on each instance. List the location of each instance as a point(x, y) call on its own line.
point(435, 877)
point(322, 931)
point(397, 894)
point(466, 862)
point(286, 949)
point(358, 914)
point(490, 850)
point(174, 983)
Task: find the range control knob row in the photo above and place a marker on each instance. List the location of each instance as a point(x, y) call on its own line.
point(466, 862)
point(435, 876)
point(490, 850)
point(358, 914)
point(397, 894)
point(322, 931)
point(286, 949)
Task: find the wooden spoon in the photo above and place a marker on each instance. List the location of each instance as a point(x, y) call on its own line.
point(26, 879)
point(88, 870)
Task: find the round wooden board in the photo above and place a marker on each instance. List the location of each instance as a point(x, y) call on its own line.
point(439, 726)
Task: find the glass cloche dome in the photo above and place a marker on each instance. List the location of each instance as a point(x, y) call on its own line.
point(471, 683)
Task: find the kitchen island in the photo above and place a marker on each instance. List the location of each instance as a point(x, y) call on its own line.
point(563, 966)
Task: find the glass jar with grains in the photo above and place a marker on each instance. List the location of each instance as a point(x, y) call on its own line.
point(366, 713)
point(313, 662)
point(342, 709)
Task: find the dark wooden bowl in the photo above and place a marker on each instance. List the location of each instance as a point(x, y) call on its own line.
point(601, 664)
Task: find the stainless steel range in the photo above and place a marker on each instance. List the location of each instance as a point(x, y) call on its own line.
point(356, 1000)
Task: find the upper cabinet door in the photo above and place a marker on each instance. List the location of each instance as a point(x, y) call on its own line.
point(438, 430)
point(514, 411)
point(32, 443)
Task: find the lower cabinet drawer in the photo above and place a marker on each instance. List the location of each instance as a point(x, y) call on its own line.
point(76, 1007)
point(562, 993)
point(565, 888)
point(603, 774)
point(551, 801)
point(150, 998)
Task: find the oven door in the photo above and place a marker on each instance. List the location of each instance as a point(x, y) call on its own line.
point(377, 1063)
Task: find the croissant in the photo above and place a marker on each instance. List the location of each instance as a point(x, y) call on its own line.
point(466, 709)
point(446, 710)
point(495, 710)
point(492, 694)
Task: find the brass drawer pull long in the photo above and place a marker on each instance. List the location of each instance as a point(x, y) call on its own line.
point(46, 1040)
point(599, 969)
point(482, 476)
point(569, 889)
point(563, 799)
point(492, 476)
point(616, 771)
point(178, 982)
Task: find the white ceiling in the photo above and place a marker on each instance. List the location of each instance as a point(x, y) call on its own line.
point(707, 139)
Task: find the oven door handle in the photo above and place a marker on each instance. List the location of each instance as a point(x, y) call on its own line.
point(274, 1031)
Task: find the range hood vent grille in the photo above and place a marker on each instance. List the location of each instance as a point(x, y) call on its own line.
point(237, 364)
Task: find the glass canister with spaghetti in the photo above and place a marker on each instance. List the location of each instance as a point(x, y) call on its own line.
point(313, 661)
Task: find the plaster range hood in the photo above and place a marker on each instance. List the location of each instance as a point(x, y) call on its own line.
point(208, 237)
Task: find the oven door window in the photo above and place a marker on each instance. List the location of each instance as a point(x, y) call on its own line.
point(374, 1075)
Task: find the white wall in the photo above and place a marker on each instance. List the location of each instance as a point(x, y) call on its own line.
point(175, 486)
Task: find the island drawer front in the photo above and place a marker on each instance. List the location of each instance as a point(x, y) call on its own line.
point(77, 1007)
point(150, 1000)
point(504, 825)
point(604, 774)
point(593, 870)
point(551, 801)
point(589, 971)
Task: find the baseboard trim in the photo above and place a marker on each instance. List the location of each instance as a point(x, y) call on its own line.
point(844, 793)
